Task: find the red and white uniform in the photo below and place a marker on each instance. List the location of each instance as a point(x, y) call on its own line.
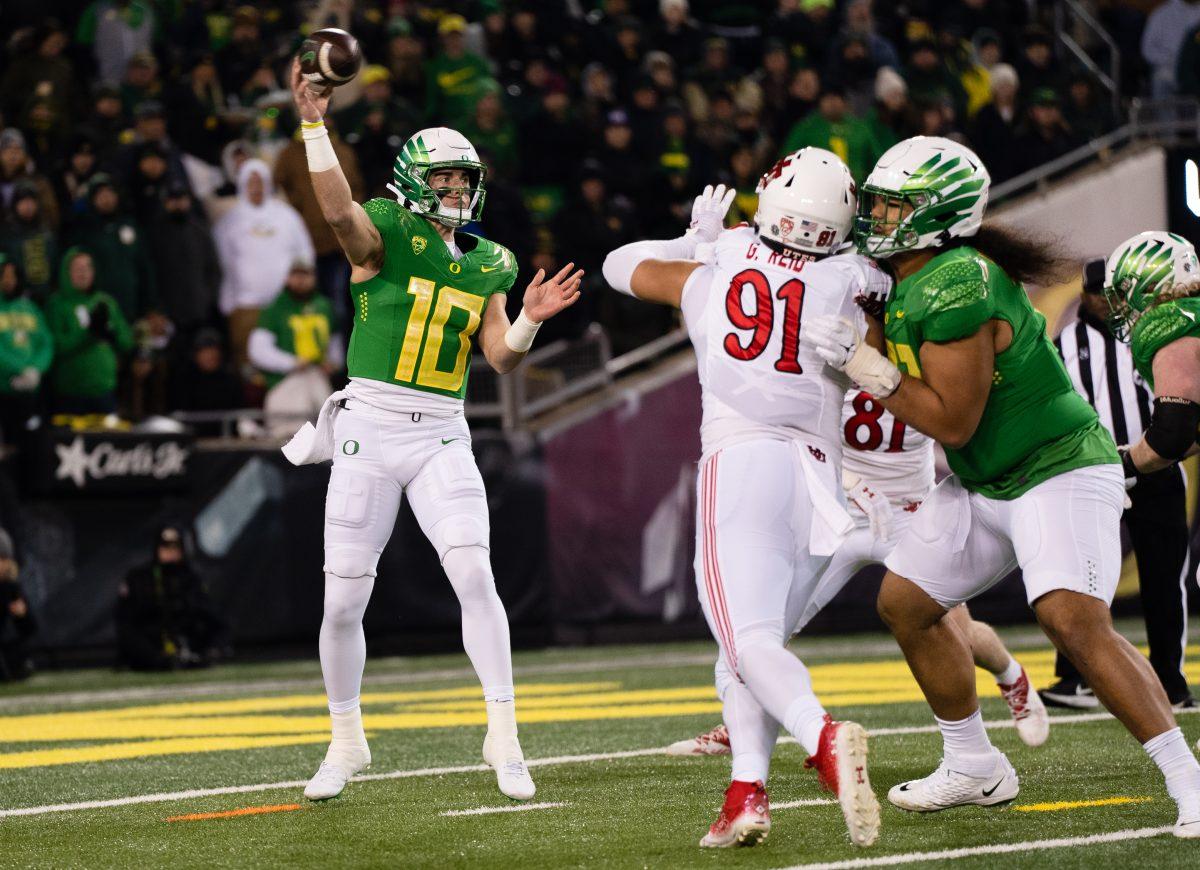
point(894, 459)
point(770, 504)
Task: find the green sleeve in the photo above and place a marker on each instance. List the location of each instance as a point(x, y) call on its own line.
point(43, 342)
point(122, 334)
point(955, 300)
point(10, 362)
point(270, 320)
point(1161, 326)
point(67, 333)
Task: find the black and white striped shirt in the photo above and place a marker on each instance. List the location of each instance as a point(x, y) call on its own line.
point(1101, 368)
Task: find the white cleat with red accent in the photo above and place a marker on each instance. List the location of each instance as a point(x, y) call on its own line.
point(841, 765)
point(712, 742)
point(745, 817)
point(1028, 711)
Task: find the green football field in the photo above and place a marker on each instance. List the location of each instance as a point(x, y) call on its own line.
point(205, 769)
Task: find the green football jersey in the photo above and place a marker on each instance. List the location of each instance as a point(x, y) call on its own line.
point(1034, 425)
point(1160, 326)
point(413, 321)
point(301, 327)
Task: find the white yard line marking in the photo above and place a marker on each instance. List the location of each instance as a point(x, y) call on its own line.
point(1000, 849)
point(191, 794)
point(483, 811)
point(811, 802)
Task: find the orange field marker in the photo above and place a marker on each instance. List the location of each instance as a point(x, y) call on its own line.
point(229, 814)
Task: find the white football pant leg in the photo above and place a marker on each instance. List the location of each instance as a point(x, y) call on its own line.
point(752, 731)
point(448, 499)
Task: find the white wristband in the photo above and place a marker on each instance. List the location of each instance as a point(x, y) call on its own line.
point(519, 337)
point(872, 371)
point(317, 146)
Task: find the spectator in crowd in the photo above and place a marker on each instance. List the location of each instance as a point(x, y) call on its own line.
point(148, 181)
point(17, 622)
point(296, 348)
point(116, 30)
point(890, 118)
point(1167, 31)
point(206, 382)
point(30, 243)
point(106, 123)
point(26, 350)
point(195, 108)
point(241, 57)
point(1087, 112)
point(141, 83)
point(16, 167)
point(89, 333)
point(456, 77)
point(81, 163)
point(295, 182)
point(1037, 68)
point(1187, 69)
point(930, 78)
point(993, 131)
point(257, 242)
point(1046, 134)
point(38, 68)
point(150, 128)
point(833, 128)
point(185, 263)
point(116, 242)
point(165, 617)
point(396, 115)
point(406, 62)
point(677, 34)
point(491, 129)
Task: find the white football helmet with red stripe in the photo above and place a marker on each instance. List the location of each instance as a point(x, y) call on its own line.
point(806, 203)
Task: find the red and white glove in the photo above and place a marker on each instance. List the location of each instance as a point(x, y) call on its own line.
point(709, 210)
point(871, 502)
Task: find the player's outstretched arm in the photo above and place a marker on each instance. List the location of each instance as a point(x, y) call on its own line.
point(505, 344)
point(657, 271)
point(1173, 425)
point(357, 235)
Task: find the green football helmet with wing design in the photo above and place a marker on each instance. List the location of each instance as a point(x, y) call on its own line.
point(922, 192)
point(1140, 270)
point(425, 153)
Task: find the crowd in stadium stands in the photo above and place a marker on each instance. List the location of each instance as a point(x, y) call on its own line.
point(163, 250)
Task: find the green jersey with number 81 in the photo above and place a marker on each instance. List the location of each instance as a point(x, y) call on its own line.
point(413, 321)
point(1034, 425)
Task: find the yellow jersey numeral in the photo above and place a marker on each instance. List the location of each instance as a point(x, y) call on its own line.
point(903, 357)
point(448, 299)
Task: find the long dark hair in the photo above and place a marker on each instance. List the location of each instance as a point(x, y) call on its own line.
point(1025, 259)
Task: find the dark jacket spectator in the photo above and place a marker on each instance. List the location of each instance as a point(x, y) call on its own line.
point(39, 67)
point(165, 616)
point(30, 242)
point(118, 245)
point(195, 107)
point(241, 57)
point(1046, 134)
point(993, 132)
point(16, 167)
point(89, 333)
point(1037, 68)
point(17, 622)
point(81, 162)
point(185, 262)
point(206, 382)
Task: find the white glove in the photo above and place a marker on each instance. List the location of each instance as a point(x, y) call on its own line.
point(871, 502)
point(838, 341)
point(27, 381)
point(709, 210)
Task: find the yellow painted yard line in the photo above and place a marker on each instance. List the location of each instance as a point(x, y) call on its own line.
point(232, 814)
point(147, 748)
point(1075, 805)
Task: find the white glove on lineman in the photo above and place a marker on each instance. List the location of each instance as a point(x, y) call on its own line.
point(837, 341)
point(871, 502)
point(709, 210)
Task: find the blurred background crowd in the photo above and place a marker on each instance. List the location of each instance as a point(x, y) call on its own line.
point(161, 248)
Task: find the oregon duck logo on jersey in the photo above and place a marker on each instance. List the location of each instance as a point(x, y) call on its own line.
point(418, 243)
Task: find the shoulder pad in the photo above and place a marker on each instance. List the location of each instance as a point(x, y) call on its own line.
point(956, 281)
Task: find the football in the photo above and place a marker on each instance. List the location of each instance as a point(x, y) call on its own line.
point(329, 57)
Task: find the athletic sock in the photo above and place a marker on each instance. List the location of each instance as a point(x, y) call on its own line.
point(804, 721)
point(346, 717)
point(1170, 751)
point(752, 733)
point(966, 746)
point(502, 719)
point(1010, 674)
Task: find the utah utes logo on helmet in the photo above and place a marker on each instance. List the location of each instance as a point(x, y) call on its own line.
point(786, 225)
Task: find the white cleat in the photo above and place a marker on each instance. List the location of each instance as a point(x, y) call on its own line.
point(713, 742)
point(1187, 827)
point(512, 774)
point(1028, 711)
point(945, 788)
point(339, 766)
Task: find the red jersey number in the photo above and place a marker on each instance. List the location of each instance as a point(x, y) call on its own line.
point(867, 411)
point(760, 320)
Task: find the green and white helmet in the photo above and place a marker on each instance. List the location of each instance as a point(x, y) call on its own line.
point(922, 192)
point(1140, 270)
point(426, 152)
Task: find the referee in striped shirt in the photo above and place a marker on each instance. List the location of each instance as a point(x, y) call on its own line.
point(1102, 370)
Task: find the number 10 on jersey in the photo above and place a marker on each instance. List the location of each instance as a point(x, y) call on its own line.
point(761, 319)
point(448, 299)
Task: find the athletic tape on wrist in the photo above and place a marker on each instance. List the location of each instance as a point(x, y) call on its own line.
point(872, 371)
point(318, 146)
point(520, 335)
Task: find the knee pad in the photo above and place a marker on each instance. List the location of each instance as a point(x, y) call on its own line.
point(350, 562)
point(769, 633)
point(469, 570)
point(459, 531)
